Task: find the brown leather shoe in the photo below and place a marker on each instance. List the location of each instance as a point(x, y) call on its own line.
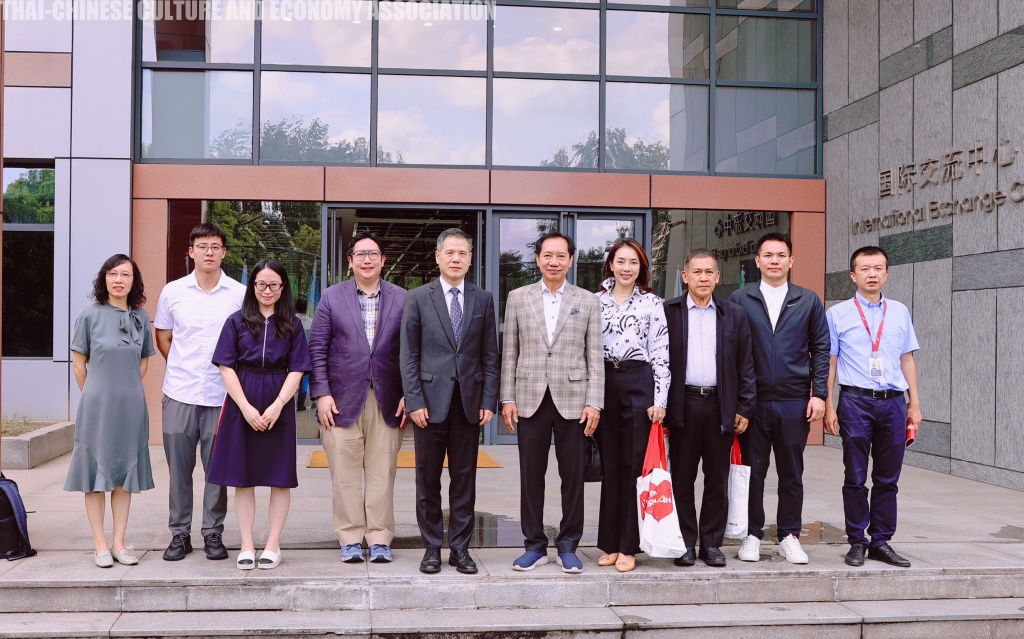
point(608, 559)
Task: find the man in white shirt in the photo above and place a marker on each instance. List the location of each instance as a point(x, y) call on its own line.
point(791, 345)
point(188, 322)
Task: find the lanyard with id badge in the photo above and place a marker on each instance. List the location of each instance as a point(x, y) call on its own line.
point(875, 369)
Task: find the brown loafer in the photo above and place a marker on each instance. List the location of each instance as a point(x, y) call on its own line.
point(608, 559)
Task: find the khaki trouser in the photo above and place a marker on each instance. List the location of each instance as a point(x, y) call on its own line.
point(366, 450)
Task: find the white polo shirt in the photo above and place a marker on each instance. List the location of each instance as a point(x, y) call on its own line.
point(195, 319)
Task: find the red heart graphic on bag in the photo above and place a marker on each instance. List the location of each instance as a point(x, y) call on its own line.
point(657, 500)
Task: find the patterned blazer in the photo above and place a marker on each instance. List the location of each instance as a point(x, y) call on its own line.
point(572, 367)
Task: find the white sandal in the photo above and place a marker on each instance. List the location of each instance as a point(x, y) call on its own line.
point(269, 559)
point(246, 560)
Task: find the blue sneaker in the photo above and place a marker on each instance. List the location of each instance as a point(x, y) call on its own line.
point(529, 560)
point(569, 562)
point(352, 554)
point(380, 553)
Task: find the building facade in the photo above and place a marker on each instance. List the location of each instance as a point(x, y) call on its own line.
point(684, 124)
point(923, 130)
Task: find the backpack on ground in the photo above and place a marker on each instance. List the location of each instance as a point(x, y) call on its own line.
point(14, 542)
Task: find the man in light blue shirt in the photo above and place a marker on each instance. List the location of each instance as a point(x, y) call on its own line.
point(872, 357)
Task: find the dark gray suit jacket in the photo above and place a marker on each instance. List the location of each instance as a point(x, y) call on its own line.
point(430, 361)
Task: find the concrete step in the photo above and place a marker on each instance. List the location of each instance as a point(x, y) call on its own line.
point(67, 581)
point(909, 619)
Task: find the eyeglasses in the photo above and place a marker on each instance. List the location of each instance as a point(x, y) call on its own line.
point(273, 286)
point(365, 255)
point(208, 248)
point(125, 275)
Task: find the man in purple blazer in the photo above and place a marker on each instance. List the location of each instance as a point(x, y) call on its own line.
point(357, 385)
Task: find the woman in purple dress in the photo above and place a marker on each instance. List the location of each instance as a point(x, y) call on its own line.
point(262, 355)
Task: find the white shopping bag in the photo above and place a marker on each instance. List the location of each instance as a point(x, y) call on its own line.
point(656, 505)
point(739, 491)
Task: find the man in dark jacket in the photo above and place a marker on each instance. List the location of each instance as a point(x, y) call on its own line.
point(791, 346)
point(712, 396)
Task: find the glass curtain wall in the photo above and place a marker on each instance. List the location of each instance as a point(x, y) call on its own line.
point(694, 86)
point(28, 262)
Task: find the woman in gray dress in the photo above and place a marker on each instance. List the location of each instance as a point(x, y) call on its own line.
point(112, 346)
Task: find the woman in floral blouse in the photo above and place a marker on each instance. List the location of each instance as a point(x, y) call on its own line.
point(635, 338)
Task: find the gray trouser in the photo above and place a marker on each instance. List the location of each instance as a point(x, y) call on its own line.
point(185, 427)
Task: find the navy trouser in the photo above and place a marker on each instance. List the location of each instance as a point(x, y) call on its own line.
point(875, 427)
point(782, 427)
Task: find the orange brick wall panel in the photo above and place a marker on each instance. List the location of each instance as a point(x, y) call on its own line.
point(37, 69)
point(228, 182)
point(737, 193)
point(543, 188)
point(406, 185)
point(808, 233)
point(149, 250)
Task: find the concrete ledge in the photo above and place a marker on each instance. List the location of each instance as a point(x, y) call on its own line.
point(962, 618)
point(38, 447)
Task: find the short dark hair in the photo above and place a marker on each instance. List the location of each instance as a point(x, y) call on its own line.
point(868, 250)
point(554, 235)
point(775, 237)
point(365, 235)
point(455, 232)
point(643, 278)
point(700, 253)
point(207, 229)
point(137, 293)
point(301, 305)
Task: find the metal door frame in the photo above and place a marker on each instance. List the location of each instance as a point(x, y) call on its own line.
point(495, 432)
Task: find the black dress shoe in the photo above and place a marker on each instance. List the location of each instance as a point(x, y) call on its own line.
point(431, 561)
point(712, 556)
point(885, 553)
point(181, 545)
point(214, 547)
point(855, 557)
point(462, 561)
point(686, 560)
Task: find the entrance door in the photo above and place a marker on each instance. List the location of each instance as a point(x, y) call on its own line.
point(511, 263)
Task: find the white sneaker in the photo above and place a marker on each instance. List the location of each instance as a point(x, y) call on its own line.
point(791, 550)
point(750, 550)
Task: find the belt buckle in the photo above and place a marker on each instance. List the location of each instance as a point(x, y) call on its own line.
point(705, 391)
point(615, 363)
point(878, 394)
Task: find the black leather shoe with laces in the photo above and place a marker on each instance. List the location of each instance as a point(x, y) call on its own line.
point(855, 556)
point(181, 545)
point(215, 547)
point(462, 561)
point(431, 561)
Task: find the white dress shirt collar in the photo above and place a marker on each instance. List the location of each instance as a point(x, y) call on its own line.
point(691, 304)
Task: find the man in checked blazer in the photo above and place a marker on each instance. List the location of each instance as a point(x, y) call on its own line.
point(449, 360)
point(552, 379)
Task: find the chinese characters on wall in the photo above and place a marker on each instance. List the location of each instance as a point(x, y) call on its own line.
point(932, 172)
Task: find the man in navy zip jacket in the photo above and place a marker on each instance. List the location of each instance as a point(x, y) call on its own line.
point(791, 350)
point(712, 396)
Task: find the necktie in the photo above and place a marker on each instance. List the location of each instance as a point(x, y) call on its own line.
point(456, 315)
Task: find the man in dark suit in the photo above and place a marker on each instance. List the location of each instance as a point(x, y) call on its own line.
point(356, 384)
point(712, 397)
point(449, 359)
